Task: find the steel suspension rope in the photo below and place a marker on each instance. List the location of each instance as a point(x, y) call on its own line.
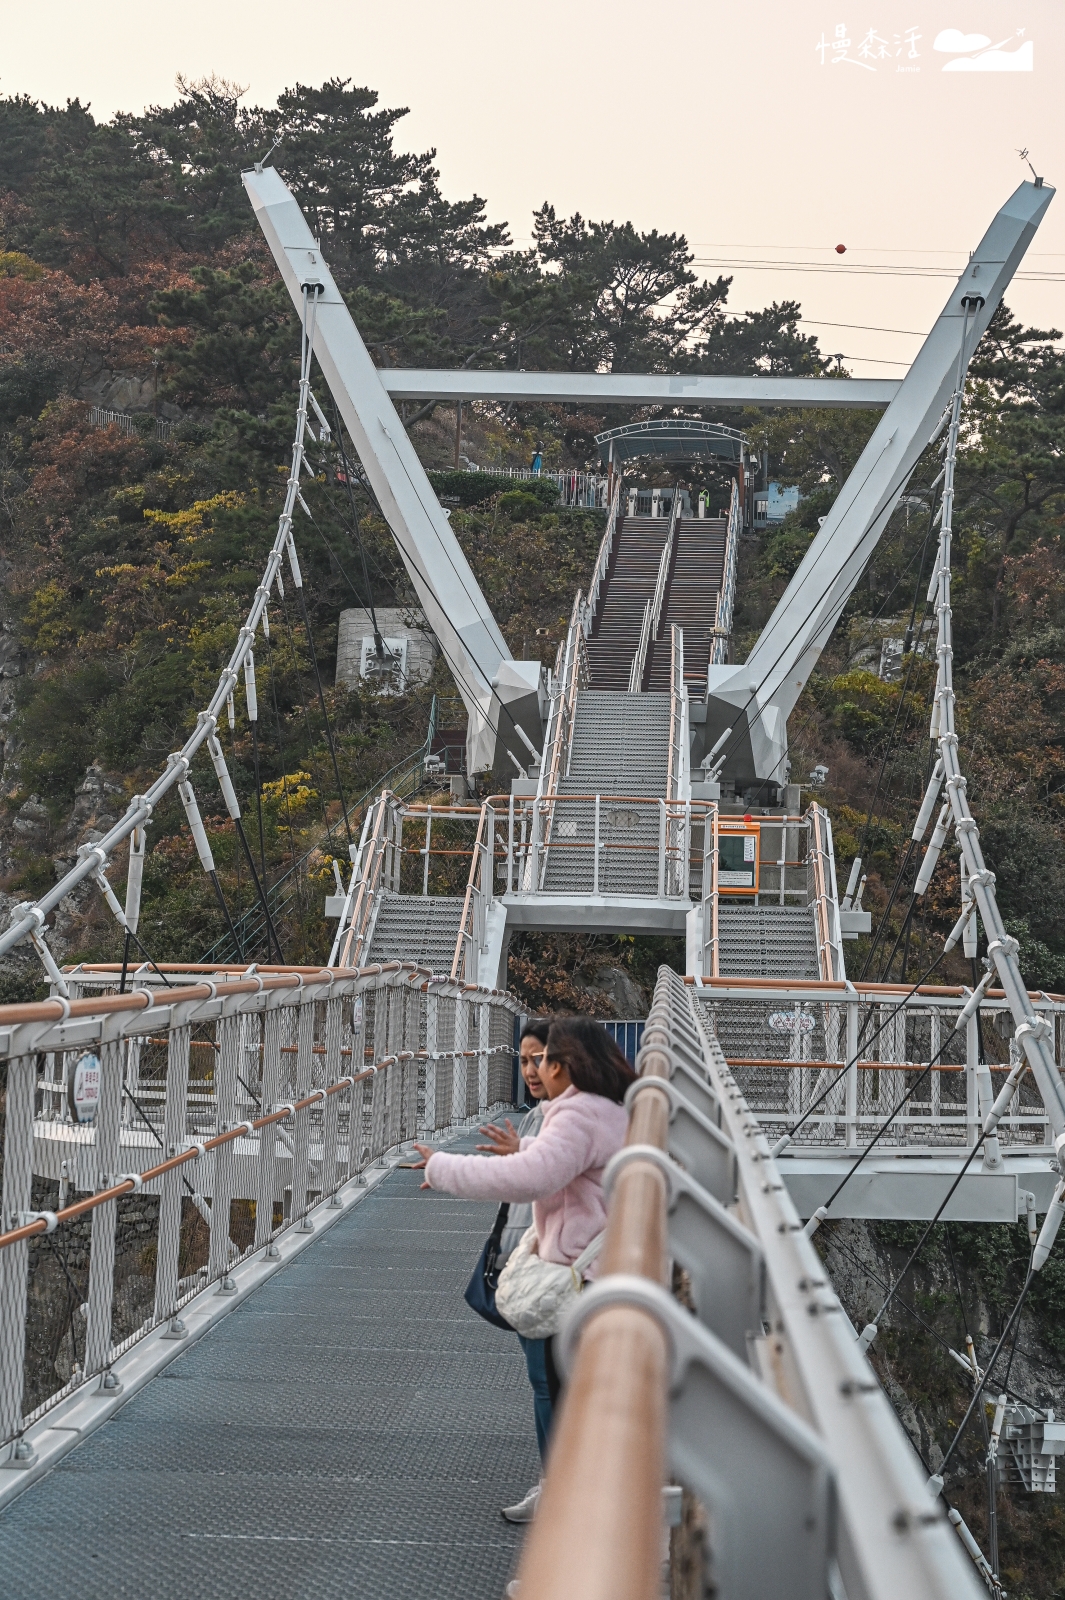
point(1031, 1031)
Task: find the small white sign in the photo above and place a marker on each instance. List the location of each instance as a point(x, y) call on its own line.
point(85, 1088)
point(789, 1021)
point(748, 846)
point(735, 880)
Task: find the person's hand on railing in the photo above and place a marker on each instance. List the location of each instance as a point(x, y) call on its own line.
point(425, 1151)
point(502, 1141)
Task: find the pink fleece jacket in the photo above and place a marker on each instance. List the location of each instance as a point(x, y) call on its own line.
point(560, 1171)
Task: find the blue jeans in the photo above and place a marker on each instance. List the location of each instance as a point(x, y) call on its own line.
point(536, 1365)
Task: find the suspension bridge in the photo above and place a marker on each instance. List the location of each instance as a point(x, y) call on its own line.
point(231, 1333)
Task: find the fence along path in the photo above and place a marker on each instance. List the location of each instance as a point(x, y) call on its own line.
point(351, 1428)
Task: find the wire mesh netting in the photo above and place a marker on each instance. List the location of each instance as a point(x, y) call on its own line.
point(788, 1052)
point(380, 1068)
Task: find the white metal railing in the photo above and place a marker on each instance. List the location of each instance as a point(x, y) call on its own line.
point(571, 674)
point(710, 953)
point(274, 1089)
point(587, 489)
point(374, 872)
point(727, 597)
point(788, 1044)
point(100, 418)
point(602, 560)
point(678, 783)
point(595, 843)
point(652, 611)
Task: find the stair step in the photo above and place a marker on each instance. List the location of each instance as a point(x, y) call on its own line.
point(421, 928)
point(767, 942)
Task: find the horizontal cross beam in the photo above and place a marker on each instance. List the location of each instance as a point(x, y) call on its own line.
point(638, 389)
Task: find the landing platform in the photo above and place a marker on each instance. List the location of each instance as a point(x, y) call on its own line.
point(351, 1429)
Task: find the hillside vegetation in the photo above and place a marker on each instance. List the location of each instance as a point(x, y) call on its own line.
point(132, 277)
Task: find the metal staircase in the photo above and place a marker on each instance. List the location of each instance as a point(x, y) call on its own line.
point(620, 744)
point(620, 749)
point(420, 928)
point(630, 583)
point(692, 593)
point(767, 942)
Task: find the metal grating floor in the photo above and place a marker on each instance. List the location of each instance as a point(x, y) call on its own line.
point(351, 1429)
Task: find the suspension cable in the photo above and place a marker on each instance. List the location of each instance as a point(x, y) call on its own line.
point(864, 1041)
point(28, 917)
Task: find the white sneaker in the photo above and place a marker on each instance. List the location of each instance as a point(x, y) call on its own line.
point(525, 1509)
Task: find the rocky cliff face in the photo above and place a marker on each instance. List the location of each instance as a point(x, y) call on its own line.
point(35, 851)
point(965, 1281)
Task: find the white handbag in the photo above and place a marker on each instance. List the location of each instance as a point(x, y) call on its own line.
point(533, 1294)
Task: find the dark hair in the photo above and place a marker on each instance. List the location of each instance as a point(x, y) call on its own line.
point(594, 1062)
point(536, 1028)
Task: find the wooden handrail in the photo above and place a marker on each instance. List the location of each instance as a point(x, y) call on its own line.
point(602, 560)
point(598, 1530)
point(473, 887)
point(360, 911)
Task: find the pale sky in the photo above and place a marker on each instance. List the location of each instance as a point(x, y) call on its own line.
point(716, 120)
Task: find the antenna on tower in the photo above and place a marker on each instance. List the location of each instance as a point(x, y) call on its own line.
point(1024, 157)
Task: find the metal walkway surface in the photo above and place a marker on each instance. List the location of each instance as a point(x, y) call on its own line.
point(351, 1429)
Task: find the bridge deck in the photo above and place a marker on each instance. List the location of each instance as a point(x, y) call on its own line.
point(351, 1429)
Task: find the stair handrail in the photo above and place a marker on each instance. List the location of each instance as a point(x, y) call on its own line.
point(571, 676)
point(726, 599)
point(711, 895)
point(470, 937)
point(652, 611)
point(602, 560)
point(821, 894)
point(678, 807)
point(364, 910)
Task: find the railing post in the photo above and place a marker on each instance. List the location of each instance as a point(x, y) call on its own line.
point(301, 1123)
point(595, 850)
point(133, 1063)
point(534, 877)
point(484, 1035)
point(972, 1084)
point(432, 1008)
point(226, 1066)
point(271, 1081)
point(15, 1260)
point(331, 1178)
point(510, 843)
point(428, 845)
point(357, 1113)
point(488, 880)
point(936, 1088)
point(661, 848)
point(852, 1073)
point(458, 1081)
point(175, 1116)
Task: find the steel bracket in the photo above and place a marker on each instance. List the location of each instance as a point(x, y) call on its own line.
point(723, 1260)
point(762, 1473)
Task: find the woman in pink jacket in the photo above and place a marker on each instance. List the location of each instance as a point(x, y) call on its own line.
point(561, 1171)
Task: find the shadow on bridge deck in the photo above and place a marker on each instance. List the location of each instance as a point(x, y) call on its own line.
point(352, 1428)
